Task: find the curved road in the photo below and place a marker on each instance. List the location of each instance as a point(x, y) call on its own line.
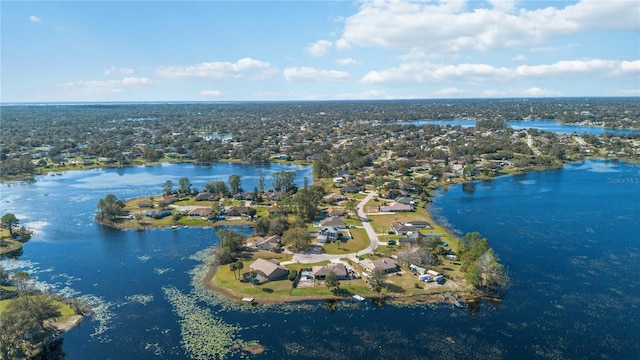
point(373, 238)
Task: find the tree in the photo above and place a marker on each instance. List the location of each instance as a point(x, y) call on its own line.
point(351, 207)
point(261, 226)
point(217, 187)
point(9, 221)
point(278, 225)
point(261, 178)
point(252, 212)
point(109, 208)
point(332, 281)
point(297, 238)
point(185, 186)
point(284, 180)
point(230, 245)
point(167, 187)
point(22, 325)
point(321, 169)
point(377, 280)
point(234, 183)
point(239, 267)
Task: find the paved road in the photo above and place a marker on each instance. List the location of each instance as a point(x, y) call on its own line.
point(373, 237)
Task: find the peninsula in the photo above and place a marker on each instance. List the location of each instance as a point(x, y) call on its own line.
point(330, 240)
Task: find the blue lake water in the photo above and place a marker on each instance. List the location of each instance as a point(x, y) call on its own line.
point(570, 239)
point(542, 125)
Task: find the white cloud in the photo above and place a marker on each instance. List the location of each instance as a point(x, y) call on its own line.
point(448, 27)
point(519, 57)
point(425, 72)
point(626, 92)
point(265, 74)
point(307, 73)
point(343, 44)
point(113, 70)
point(450, 91)
point(109, 86)
point(536, 91)
point(567, 67)
point(35, 19)
point(365, 95)
point(213, 70)
point(348, 61)
point(319, 48)
point(210, 93)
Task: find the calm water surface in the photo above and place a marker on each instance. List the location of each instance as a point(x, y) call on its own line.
point(570, 239)
point(542, 125)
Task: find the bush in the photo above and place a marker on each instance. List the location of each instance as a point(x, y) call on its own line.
point(293, 274)
point(177, 216)
point(418, 285)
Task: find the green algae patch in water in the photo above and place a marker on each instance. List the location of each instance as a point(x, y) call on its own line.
point(204, 335)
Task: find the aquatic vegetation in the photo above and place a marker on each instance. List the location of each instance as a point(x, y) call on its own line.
point(139, 298)
point(102, 313)
point(155, 348)
point(161, 271)
point(204, 335)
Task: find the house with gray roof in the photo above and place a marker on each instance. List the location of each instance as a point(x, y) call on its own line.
point(387, 265)
point(321, 272)
point(396, 207)
point(328, 234)
point(403, 228)
point(269, 243)
point(268, 270)
point(333, 222)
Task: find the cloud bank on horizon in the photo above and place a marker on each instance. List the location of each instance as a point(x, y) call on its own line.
point(173, 51)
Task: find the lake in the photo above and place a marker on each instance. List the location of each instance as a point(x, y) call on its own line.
point(542, 125)
point(568, 237)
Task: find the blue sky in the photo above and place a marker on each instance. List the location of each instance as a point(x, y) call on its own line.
point(317, 50)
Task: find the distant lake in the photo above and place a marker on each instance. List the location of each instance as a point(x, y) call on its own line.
point(545, 125)
point(568, 237)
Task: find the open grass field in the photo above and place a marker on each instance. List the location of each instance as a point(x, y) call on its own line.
point(360, 241)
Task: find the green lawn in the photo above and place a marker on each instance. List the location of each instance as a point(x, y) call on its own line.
point(360, 241)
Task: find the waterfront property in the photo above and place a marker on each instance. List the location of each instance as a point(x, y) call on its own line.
point(268, 270)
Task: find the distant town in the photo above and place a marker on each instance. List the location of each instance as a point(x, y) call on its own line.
point(344, 135)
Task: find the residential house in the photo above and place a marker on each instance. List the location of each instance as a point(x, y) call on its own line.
point(321, 272)
point(273, 195)
point(408, 200)
point(420, 224)
point(237, 210)
point(144, 203)
point(328, 234)
point(206, 196)
point(396, 207)
point(351, 189)
point(387, 265)
point(333, 222)
point(170, 199)
point(403, 228)
point(335, 197)
point(269, 269)
point(334, 211)
point(269, 243)
point(202, 212)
